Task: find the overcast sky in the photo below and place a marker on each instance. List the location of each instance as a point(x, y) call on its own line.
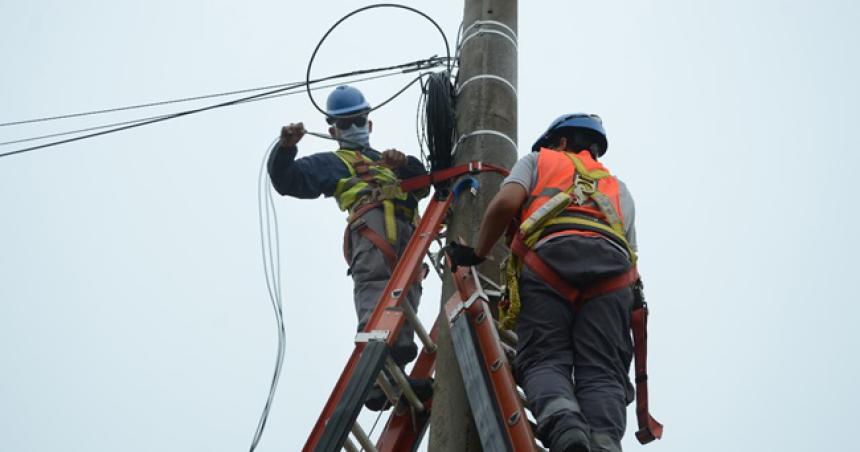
point(133, 309)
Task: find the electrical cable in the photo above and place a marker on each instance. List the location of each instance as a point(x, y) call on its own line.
point(133, 121)
point(145, 105)
point(347, 16)
point(373, 427)
point(439, 120)
point(270, 253)
point(421, 64)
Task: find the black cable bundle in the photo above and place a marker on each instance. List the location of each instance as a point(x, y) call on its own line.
point(439, 119)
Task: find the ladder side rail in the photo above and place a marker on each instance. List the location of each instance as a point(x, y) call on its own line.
point(495, 364)
point(387, 316)
point(482, 402)
point(333, 399)
point(342, 420)
point(501, 378)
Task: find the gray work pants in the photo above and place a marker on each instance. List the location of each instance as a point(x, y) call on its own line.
point(593, 344)
point(370, 273)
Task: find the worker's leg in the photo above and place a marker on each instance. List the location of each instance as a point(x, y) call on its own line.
point(601, 335)
point(602, 353)
point(370, 273)
point(544, 362)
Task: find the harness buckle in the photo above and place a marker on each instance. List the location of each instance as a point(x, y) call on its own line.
point(475, 166)
point(583, 189)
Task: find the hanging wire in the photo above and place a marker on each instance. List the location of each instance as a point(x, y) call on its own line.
point(359, 10)
point(418, 64)
point(145, 105)
point(134, 121)
point(270, 253)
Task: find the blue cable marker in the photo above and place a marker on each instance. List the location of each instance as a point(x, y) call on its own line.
point(469, 182)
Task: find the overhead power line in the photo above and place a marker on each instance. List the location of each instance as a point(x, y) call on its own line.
point(146, 105)
point(404, 67)
point(133, 121)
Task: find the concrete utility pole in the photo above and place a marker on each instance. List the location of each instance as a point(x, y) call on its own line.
point(487, 127)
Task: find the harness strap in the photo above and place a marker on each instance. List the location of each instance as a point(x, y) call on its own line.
point(376, 239)
point(380, 242)
point(649, 428)
point(574, 295)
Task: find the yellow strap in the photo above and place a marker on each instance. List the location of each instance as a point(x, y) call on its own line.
point(508, 315)
point(531, 240)
point(583, 171)
point(390, 222)
point(342, 155)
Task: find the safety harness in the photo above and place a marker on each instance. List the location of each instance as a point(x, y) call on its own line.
point(556, 216)
point(369, 186)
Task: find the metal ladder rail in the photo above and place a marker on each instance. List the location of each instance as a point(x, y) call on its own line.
point(372, 345)
point(496, 405)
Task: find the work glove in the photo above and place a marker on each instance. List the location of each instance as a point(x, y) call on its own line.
point(463, 255)
point(291, 134)
point(392, 158)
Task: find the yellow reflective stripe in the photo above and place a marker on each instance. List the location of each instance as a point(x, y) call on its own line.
point(590, 224)
point(390, 223)
point(608, 211)
point(346, 161)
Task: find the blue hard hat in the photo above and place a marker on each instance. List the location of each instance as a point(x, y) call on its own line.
point(346, 100)
point(576, 121)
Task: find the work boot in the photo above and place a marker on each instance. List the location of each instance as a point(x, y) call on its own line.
point(573, 440)
point(404, 354)
point(423, 388)
point(377, 400)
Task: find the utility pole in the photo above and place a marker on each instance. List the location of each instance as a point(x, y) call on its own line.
point(486, 117)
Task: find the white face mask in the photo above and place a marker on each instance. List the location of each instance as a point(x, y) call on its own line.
point(354, 136)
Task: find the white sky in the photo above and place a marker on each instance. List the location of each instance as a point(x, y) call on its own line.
point(133, 310)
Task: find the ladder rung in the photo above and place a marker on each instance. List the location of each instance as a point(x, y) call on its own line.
point(349, 446)
point(401, 380)
point(417, 326)
point(389, 390)
point(363, 439)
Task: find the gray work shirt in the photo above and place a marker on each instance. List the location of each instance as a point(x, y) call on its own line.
point(524, 173)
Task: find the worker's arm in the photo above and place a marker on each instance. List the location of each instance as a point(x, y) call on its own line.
point(501, 210)
point(628, 209)
point(307, 177)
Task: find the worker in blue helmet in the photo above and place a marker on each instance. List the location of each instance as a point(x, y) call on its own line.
point(365, 184)
point(576, 227)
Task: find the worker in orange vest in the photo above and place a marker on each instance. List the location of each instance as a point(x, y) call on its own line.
point(575, 234)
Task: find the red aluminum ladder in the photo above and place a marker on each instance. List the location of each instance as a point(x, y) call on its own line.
point(492, 392)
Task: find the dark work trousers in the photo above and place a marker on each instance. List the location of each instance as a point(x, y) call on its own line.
point(594, 344)
point(370, 273)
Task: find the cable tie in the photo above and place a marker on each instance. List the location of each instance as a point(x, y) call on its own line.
point(479, 23)
point(466, 136)
point(489, 77)
point(495, 32)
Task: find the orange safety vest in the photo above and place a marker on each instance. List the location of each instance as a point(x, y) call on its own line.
point(575, 194)
point(557, 173)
